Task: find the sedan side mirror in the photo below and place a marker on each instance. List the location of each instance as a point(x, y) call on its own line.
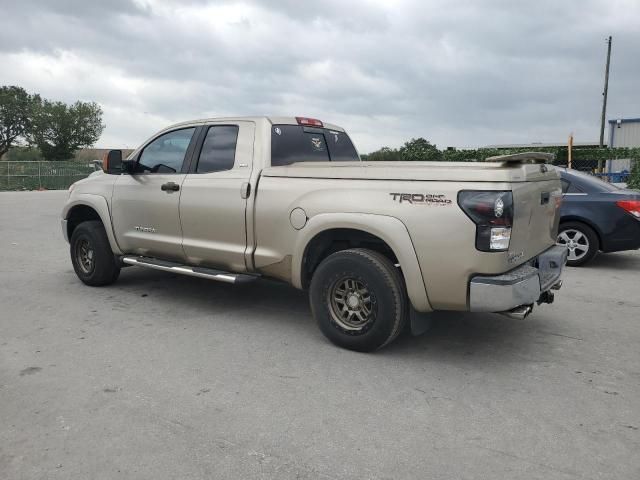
point(112, 163)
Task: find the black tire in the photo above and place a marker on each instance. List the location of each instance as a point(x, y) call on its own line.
point(586, 243)
point(96, 269)
point(373, 276)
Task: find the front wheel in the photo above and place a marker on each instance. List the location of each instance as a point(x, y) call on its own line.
point(581, 241)
point(358, 299)
point(91, 255)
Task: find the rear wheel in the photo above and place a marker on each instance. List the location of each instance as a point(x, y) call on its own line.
point(581, 241)
point(91, 255)
point(358, 299)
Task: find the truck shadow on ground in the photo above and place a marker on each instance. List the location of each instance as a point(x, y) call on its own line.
point(618, 261)
point(481, 338)
point(462, 336)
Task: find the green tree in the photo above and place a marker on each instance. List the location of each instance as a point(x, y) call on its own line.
point(17, 108)
point(60, 129)
point(419, 149)
point(24, 154)
point(634, 178)
point(385, 154)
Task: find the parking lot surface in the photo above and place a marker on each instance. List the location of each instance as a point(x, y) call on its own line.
point(162, 376)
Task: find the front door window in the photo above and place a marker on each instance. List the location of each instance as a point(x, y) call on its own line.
point(166, 153)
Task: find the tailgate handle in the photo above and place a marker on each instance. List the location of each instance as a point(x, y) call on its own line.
point(544, 198)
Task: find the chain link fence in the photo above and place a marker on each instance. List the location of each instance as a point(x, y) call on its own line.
point(616, 170)
point(41, 175)
point(60, 175)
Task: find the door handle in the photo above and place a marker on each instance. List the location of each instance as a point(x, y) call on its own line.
point(245, 190)
point(170, 187)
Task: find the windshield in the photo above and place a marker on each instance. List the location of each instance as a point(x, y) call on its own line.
point(297, 143)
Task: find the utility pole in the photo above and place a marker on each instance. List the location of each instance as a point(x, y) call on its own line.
point(604, 100)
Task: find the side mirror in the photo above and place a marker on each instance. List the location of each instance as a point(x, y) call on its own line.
point(112, 162)
point(128, 166)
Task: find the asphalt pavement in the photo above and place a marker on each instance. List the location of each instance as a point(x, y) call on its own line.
point(167, 377)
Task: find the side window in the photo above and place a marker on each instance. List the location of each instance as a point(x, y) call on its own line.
point(573, 188)
point(219, 149)
point(166, 153)
point(570, 187)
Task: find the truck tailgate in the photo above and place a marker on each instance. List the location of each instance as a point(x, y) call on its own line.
point(536, 218)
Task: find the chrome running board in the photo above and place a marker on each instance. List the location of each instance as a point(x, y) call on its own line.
point(201, 272)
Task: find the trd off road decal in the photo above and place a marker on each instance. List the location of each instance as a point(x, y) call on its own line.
point(421, 199)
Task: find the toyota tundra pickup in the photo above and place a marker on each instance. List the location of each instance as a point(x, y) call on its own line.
point(378, 245)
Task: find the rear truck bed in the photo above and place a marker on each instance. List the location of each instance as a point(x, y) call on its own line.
point(424, 197)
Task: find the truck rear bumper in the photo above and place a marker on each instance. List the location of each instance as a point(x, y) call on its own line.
point(521, 287)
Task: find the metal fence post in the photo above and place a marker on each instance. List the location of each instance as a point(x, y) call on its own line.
point(39, 176)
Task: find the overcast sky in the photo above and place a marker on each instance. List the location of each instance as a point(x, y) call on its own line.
point(457, 73)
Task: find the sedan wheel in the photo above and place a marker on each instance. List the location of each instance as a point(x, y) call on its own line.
point(581, 242)
point(576, 242)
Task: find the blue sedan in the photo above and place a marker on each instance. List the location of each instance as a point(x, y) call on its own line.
point(596, 216)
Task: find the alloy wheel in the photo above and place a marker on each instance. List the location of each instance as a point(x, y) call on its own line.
point(85, 256)
point(576, 241)
point(351, 304)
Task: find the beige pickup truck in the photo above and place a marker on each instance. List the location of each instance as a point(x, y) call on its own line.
point(377, 245)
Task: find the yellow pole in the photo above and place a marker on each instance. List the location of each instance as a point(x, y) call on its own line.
point(570, 147)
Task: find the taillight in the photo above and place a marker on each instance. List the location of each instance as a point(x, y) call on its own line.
point(309, 121)
point(631, 206)
point(492, 212)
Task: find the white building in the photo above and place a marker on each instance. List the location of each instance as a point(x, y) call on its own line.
point(624, 132)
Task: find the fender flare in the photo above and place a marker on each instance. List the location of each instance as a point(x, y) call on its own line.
point(99, 204)
point(387, 228)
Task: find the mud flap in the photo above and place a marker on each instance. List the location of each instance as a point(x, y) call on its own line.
point(420, 322)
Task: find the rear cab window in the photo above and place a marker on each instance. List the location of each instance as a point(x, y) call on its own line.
point(568, 187)
point(299, 143)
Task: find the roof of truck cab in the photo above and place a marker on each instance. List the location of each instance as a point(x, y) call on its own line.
point(274, 120)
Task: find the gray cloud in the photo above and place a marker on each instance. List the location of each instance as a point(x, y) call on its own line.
point(464, 74)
